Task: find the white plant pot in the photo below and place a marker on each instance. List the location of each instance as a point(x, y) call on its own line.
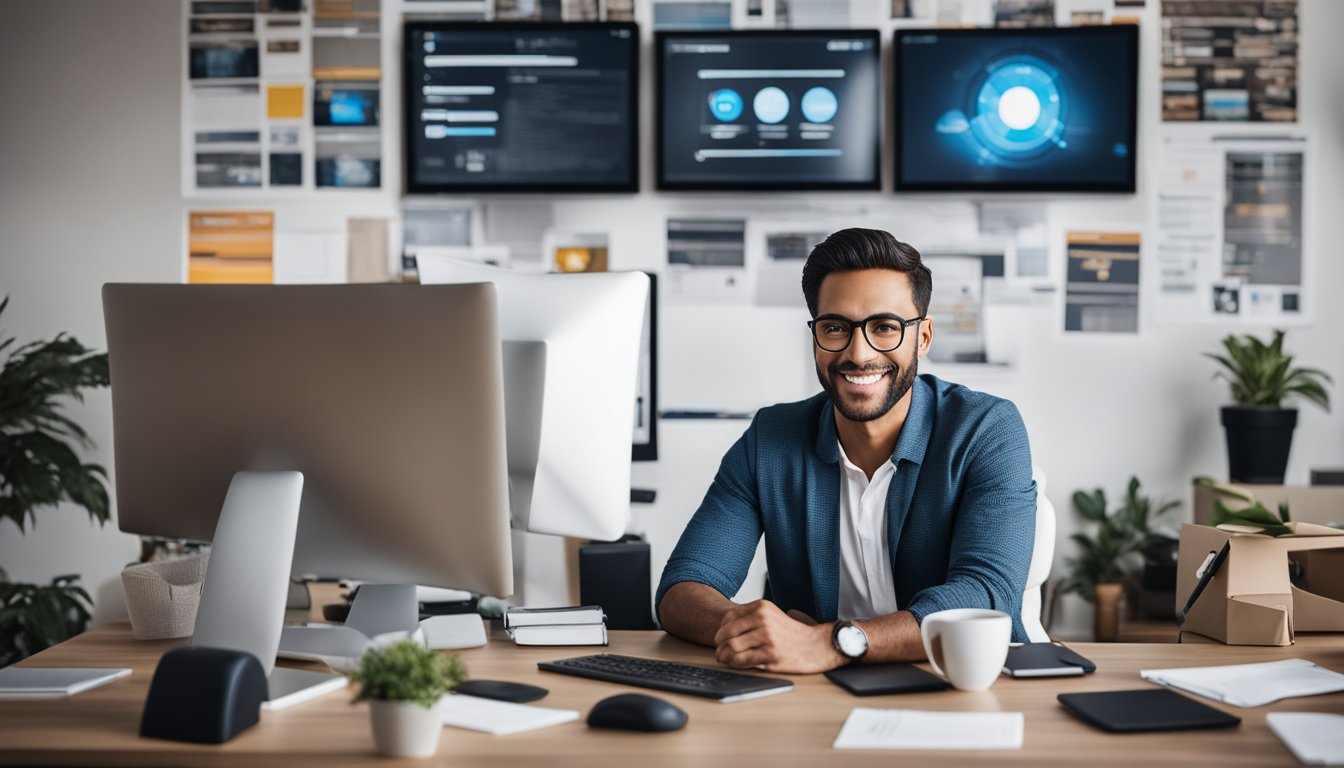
point(405, 729)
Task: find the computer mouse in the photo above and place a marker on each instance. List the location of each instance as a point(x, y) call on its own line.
point(636, 712)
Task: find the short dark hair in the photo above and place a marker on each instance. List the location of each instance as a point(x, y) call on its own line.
point(853, 249)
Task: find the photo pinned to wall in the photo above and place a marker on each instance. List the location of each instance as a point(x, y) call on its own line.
point(577, 251)
point(707, 261)
point(230, 247)
point(1101, 294)
point(692, 14)
point(1230, 218)
point(368, 249)
point(225, 130)
point(1019, 14)
point(520, 226)
point(956, 307)
point(1022, 228)
point(1233, 60)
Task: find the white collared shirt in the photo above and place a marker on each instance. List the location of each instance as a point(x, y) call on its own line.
point(867, 588)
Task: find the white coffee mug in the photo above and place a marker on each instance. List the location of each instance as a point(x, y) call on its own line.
point(967, 645)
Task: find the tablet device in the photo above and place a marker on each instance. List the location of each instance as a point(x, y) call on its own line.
point(892, 677)
point(1045, 660)
point(1147, 709)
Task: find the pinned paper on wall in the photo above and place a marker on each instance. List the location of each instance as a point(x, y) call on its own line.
point(707, 260)
point(1229, 231)
point(230, 246)
point(284, 102)
point(577, 251)
point(309, 257)
point(1102, 289)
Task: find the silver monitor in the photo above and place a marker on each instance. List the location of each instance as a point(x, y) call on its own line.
point(386, 397)
point(572, 345)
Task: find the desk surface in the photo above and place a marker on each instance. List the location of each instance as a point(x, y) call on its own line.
point(100, 727)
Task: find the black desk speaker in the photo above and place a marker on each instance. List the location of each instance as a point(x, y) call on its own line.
point(615, 576)
point(204, 695)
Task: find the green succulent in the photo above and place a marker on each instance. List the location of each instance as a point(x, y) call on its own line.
point(407, 671)
point(1262, 375)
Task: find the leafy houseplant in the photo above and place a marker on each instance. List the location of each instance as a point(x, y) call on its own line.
point(39, 467)
point(404, 682)
point(1240, 511)
point(1103, 568)
point(1259, 429)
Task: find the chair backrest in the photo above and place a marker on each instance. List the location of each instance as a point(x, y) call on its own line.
point(1042, 557)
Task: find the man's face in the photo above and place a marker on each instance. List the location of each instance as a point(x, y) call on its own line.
point(865, 384)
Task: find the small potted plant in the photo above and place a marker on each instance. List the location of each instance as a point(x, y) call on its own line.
point(403, 683)
point(1101, 572)
point(1259, 429)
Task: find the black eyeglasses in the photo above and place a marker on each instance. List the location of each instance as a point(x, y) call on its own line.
point(884, 331)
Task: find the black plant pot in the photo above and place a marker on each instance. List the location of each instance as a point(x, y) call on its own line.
point(1258, 440)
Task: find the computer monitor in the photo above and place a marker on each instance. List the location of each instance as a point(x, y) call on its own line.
point(386, 397)
point(796, 109)
point(569, 378)
point(1048, 109)
point(517, 107)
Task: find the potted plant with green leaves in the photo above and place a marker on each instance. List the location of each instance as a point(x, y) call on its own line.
point(1259, 429)
point(1102, 571)
point(403, 683)
point(40, 467)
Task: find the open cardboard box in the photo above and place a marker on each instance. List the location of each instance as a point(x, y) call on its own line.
point(1252, 600)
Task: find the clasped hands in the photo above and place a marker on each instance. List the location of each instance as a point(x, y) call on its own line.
point(759, 635)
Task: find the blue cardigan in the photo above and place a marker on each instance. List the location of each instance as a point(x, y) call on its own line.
point(961, 512)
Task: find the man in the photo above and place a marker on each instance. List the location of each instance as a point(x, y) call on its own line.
point(885, 498)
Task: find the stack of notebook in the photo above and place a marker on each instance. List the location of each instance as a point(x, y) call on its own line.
point(572, 625)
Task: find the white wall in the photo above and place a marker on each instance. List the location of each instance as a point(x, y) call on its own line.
point(89, 163)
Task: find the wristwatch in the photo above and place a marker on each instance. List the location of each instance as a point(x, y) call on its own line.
point(849, 640)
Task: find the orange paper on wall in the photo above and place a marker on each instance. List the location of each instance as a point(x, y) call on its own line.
point(284, 102)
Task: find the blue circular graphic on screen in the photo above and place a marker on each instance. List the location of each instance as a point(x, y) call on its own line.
point(771, 105)
point(725, 105)
point(1019, 108)
point(819, 105)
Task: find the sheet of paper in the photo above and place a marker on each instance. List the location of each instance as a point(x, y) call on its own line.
point(304, 257)
point(1315, 738)
point(500, 717)
point(1251, 685)
point(867, 728)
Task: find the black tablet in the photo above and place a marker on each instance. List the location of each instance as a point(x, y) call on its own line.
point(1147, 709)
point(878, 679)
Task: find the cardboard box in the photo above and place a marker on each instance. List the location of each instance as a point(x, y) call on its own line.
point(1322, 504)
point(1252, 600)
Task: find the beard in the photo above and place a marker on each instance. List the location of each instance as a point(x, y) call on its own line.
point(899, 380)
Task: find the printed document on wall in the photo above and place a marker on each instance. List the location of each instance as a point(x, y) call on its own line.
point(1102, 289)
point(707, 261)
point(1230, 218)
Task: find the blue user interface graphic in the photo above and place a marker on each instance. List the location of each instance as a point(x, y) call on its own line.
point(992, 109)
point(820, 105)
point(725, 104)
point(349, 109)
point(771, 105)
point(771, 113)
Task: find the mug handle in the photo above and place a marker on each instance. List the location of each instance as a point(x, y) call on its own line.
point(933, 644)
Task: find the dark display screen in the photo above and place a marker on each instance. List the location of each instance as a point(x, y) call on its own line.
point(769, 110)
point(1012, 109)
point(519, 107)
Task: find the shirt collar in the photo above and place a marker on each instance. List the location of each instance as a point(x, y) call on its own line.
point(915, 433)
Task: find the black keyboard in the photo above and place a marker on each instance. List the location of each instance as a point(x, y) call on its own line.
point(669, 676)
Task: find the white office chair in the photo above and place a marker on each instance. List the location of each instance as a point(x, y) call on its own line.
point(1042, 556)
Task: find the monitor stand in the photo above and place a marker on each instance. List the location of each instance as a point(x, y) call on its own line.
point(242, 603)
point(377, 610)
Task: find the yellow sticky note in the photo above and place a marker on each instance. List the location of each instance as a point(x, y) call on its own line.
point(284, 101)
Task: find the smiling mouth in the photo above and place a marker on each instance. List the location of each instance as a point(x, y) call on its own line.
point(865, 380)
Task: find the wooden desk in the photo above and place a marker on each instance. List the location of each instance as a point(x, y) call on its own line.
point(100, 727)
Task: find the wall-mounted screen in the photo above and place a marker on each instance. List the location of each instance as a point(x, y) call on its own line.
point(1016, 109)
point(769, 110)
point(521, 107)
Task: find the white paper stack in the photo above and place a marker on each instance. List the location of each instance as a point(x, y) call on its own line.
point(1251, 685)
point(500, 717)
point(915, 729)
point(1316, 738)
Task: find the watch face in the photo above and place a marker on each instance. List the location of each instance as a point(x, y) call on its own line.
point(852, 641)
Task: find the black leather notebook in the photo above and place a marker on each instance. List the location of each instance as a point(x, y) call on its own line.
point(1146, 709)
point(1045, 660)
point(892, 677)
